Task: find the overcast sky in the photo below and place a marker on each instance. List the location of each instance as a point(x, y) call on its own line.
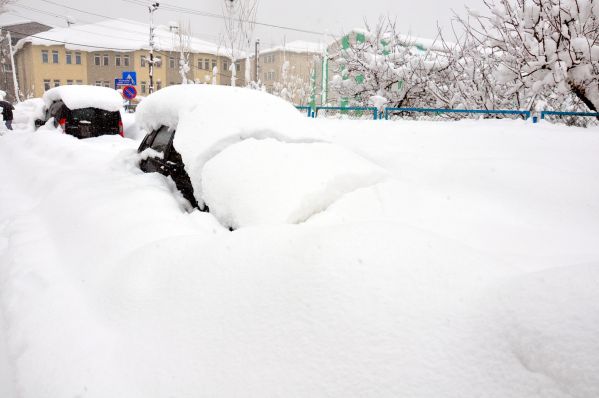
point(332, 17)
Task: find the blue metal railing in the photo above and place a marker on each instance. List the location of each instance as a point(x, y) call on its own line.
point(313, 111)
point(556, 113)
point(308, 109)
point(374, 110)
point(526, 114)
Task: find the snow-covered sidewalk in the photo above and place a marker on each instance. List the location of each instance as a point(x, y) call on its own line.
point(473, 271)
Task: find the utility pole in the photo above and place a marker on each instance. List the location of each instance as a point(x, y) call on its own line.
point(14, 70)
point(256, 60)
point(153, 7)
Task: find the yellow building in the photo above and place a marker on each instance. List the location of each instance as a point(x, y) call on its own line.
point(97, 54)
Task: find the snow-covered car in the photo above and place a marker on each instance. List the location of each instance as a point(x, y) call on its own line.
point(251, 157)
point(83, 111)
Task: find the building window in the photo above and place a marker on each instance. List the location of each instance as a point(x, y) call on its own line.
point(142, 61)
point(171, 62)
point(158, 85)
point(213, 64)
point(54, 57)
point(7, 67)
point(237, 66)
point(78, 58)
point(158, 62)
point(69, 58)
point(200, 63)
point(143, 87)
point(225, 66)
point(117, 60)
point(79, 82)
point(56, 83)
point(69, 82)
point(207, 64)
point(45, 56)
point(98, 83)
point(126, 60)
point(46, 83)
point(106, 60)
point(270, 75)
point(106, 84)
point(171, 84)
point(97, 59)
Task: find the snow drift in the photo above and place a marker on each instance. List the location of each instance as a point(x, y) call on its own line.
point(267, 181)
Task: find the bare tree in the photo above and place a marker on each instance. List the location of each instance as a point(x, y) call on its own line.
point(240, 22)
point(182, 44)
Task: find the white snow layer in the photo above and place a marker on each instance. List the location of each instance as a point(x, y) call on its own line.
point(104, 35)
point(473, 272)
point(77, 97)
point(209, 118)
point(289, 184)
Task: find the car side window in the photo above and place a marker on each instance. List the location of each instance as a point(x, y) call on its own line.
point(162, 139)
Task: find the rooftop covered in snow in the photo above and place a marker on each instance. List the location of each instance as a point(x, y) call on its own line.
point(118, 35)
point(297, 46)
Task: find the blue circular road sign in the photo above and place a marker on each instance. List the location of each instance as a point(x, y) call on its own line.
point(129, 92)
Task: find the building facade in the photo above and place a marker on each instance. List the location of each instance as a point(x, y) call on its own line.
point(295, 67)
point(18, 30)
point(42, 63)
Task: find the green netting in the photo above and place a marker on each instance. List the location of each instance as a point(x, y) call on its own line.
point(360, 79)
point(345, 42)
point(360, 38)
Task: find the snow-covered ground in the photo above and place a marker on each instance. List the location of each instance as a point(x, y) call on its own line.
point(472, 271)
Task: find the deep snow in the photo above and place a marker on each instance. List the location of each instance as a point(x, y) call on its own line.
point(472, 271)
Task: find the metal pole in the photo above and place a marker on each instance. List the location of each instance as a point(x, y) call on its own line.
point(256, 60)
point(152, 8)
point(14, 71)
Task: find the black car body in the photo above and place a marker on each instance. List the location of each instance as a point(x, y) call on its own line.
point(169, 164)
point(83, 122)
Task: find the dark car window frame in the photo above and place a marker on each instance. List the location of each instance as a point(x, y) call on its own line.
point(149, 140)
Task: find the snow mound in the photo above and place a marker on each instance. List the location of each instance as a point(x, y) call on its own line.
point(77, 97)
point(552, 323)
point(28, 111)
point(289, 184)
point(209, 118)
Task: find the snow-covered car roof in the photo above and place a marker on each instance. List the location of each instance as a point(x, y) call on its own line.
point(209, 118)
point(77, 97)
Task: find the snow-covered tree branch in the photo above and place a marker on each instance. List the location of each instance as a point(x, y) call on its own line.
point(379, 66)
point(549, 47)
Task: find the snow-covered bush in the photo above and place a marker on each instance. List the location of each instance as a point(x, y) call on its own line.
point(380, 63)
point(291, 87)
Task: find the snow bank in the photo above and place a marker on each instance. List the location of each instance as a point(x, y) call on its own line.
point(130, 127)
point(28, 111)
point(209, 118)
point(289, 183)
point(471, 273)
point(76, 97)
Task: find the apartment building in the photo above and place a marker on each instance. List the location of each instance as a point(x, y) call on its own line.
point(99, 53)
point(301, 58)
point(18, 28)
